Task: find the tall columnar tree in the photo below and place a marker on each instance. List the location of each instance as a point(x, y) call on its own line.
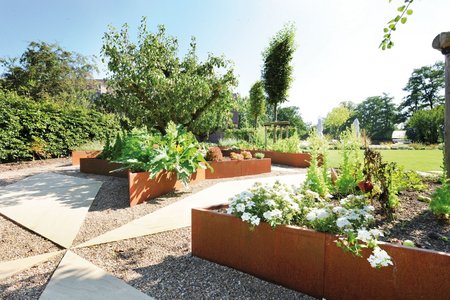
point(153, 86)
point(257, 108)
point(47, 70)
point(277, 71)
point(425, 90)
point(377, 116)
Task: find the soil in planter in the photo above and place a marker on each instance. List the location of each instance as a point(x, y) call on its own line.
point(414, 221)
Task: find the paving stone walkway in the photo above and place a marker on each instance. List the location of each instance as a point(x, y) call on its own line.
point(54, 206)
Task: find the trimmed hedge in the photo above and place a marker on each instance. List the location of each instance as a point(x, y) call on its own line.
point(30, 129)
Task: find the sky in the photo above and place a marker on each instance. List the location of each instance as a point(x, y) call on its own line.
point(337, 57)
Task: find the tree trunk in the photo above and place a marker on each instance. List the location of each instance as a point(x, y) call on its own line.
point(447, 116)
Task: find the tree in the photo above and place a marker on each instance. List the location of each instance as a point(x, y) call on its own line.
point(153, 86)
point(426, 125)
point(424, 89)
point(277, 71)
point(337, 120)
point(292, 114)
point(377, 116)
point(47, 70)
point(257, 107)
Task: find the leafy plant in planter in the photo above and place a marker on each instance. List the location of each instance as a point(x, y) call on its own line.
point(440, 202)
point(236, 156)
point(289, 145)
point(178, 151)
point(317, 178)
point(214, 154)
point(259, 155)
point(246, 154)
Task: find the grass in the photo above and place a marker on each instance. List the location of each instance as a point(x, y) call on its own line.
point(418, 160)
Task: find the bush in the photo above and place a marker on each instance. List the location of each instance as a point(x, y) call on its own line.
point(236, 156)
point(440, 201)
point(426, 126)
point(31, 129)
point(245, 134)
point(259, 155)
point(246, 154)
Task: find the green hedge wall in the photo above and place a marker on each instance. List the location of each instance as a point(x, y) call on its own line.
point(30, 129)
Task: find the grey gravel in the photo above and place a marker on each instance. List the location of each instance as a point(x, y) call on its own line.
point(31, 283)
point(17, 242)
point(161, 265)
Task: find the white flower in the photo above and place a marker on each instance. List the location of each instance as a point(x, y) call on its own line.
point(269, 215)
point(250, 204)
point(339, 210)
point(311, 216)
point(379, 258)
point(344, 201)
point(240, 207)
point(369, 208)
point(311, 194)
point(255, 220)
point(132, 160)
point(246, 216)
point(369, 217)
point(353, 215)
point(293, 205)
point(364, 235)
point(342, 222)
point(270, 202)
point(328, 196)
point(246, 194)
point(322, 213)
point(230, 210)
point(376, 233)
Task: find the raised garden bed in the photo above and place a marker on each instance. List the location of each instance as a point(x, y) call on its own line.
point(236, 168)
point(299, 160)
point(101, 167)
point(77, 155)
point(310, 262)
point(142, 187)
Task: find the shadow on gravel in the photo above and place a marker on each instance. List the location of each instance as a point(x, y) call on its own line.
point(189, 277)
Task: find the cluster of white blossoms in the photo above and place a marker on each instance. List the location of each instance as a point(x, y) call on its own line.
point(379, 258)
point(281, 204)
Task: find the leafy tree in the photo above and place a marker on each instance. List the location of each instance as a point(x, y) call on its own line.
point(153, 86)
point(292, 114)
point(257, 107)
point(277, 71)
point(337, 120)
point(426, 125)
point(424, 89)
point(377, 116)
point(48, 71)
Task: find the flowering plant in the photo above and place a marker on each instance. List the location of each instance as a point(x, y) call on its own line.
point(279, 204)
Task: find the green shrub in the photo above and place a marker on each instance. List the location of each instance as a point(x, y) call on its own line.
point(30, 129)
point(245, 134)
point(289, 145)
point(259, 155)
point(440, 201)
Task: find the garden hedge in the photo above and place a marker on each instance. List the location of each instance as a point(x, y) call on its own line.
point(30, 129)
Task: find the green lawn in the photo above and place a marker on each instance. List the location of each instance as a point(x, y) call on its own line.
point(419, 160)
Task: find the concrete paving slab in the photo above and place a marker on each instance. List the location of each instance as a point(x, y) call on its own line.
point(77, 278)
point(178, 215)
point(46, 181)
point(50, 208)
point(9, 268)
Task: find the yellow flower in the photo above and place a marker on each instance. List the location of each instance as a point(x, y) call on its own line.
point(179, 148)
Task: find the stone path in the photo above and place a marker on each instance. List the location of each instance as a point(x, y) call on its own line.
point(54, 206)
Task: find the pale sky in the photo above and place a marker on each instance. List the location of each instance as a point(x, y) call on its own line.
point(337, 57)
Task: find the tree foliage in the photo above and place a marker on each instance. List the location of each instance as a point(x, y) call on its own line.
point(403, 12)
point(425, 90)
point(292, 114)
point(257, 107)
point(277, 71)
point(49, 71)
point(153, 86)
point(426, 125)
point(337, 120)
point(377, 116)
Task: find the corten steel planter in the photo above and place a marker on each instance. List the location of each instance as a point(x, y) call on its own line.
point(101, 167)
point(235, 168)
point(299, 160)
point(288, 255)
point(76, 155)
point(142, 187)
point(310, 262)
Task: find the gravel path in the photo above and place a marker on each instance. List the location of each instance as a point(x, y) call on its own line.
point(160, 265)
